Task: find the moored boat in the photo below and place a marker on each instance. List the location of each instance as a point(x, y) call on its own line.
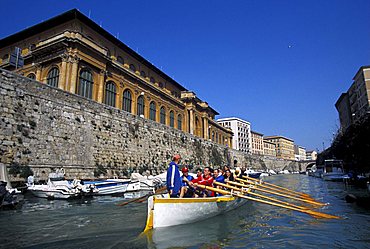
point(164, 211)
point(110, 186)
point(333, 170)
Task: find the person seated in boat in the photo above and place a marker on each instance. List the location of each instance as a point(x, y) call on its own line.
point(206, 180)
point(219, 177)
point(237, 172)
point(229, 176)
point(243, 171)
point(186, 190)
point(173, 179)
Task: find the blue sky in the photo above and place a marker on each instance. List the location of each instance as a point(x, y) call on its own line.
point(281, 65)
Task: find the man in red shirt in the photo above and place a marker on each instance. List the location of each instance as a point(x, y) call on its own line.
point(205, 179)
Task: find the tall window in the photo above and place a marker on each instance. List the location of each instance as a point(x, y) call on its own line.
point(172, 119)
point(120, 60)
point(163, 115)
point(86, 83)
point(132, 68)
point(110, 93)
point(152, 111)
point(53, 77)
point(127, 100)
point(142, 74)
point(179, 122)
point(152, 80)
point(140, 105)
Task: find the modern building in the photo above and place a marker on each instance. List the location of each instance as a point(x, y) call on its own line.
point(257, 143)
point(299, 153)
point(242, 133)
point(355, 103)
point(284, 146)
point(311, 155)
point(269, 148)
point(74, 54)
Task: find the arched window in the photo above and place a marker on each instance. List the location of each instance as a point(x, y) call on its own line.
point(86, 83)
point(163, 115)
point(172, 119)
point(132, 68)
point(110, 93)
point(179, 122)
point(31, 76)
point(152, 80)
point(143, 74)
point(127, 100)
point(120, 60)
point(161, 85)
point(213, 136)
point(152, 111)
point(53, 77)
point(140, 105)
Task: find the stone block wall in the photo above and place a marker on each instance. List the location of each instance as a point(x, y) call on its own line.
point(46, 128)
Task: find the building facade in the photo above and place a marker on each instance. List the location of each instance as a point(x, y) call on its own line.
point(257, 143)
point(242, 133)
point(73, 53)
point(311, 155)
point(355, 103)
point(299, 153)
point(269, 148)
point(284, 146)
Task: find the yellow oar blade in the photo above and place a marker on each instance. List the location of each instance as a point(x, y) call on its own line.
point(310, 212)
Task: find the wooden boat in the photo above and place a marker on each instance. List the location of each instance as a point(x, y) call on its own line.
point(164, 211)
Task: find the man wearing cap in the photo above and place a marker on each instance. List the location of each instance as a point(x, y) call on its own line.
point(173, 180)
point(186, 190)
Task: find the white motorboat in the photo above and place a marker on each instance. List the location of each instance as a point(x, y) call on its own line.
point(333, 170)
point(164, 211)
point(110, 186)
point(58, 188)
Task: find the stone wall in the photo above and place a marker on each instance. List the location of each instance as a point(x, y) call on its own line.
point(46, 128)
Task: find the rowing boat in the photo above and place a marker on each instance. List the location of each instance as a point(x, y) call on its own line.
point(164, 211)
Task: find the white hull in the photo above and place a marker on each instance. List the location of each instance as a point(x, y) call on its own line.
point(333, 176)
point(165, 212)
point(118, 189)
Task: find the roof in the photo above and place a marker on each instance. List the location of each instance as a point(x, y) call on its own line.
point(75, 14)
point(231, 119)
point(272, 137)
point(255, 132)
point(359, 71)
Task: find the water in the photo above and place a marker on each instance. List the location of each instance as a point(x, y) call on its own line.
point(100, 223)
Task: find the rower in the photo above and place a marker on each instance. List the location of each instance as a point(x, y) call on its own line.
point(186, 190)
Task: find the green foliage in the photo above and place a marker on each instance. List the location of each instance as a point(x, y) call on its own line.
point(352, 146)
point(23, 170)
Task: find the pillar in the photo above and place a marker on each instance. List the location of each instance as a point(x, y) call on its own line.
point(101, 86)
point(74, 72)
point(63, 73)
point(191, 118)
point(38, 72)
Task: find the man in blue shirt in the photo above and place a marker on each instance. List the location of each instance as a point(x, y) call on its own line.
point(186, 190)
point(173, 180)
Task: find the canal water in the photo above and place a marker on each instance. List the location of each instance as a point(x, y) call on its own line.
point(99, 223)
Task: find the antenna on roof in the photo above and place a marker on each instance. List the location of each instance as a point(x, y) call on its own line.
point(117, 35)
point(100, 24)
point(89, 13)
point(137, 50)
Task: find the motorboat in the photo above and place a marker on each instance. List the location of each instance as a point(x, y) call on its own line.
point(110, 186)
point(333, 170)
point(9, 196)
point(252, 173)
point(317, 171)
point(164, 211)
point(59, 188)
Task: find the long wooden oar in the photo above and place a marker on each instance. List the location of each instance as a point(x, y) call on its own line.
point(262, 184)
point(279, 187)
point(243, 190)
point(142, 198)
point(310, 212)
point(260, 188)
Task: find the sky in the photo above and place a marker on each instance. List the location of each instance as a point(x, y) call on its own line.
point(281, 65)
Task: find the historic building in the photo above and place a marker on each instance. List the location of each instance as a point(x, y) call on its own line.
point(269, 148)
point(73, 53)
point(311, 155)
point(242, 133)
point(355, 103)
point(284, 146)
point(257, 143)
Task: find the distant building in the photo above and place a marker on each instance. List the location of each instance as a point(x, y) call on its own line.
point(257, 143)
point(355, 103)
point(311, 155)
point(299, 153)
point(242, 133)
point(269, 148)
point(284, 146)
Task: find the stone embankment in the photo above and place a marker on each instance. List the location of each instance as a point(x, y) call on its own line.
point(45, 128)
